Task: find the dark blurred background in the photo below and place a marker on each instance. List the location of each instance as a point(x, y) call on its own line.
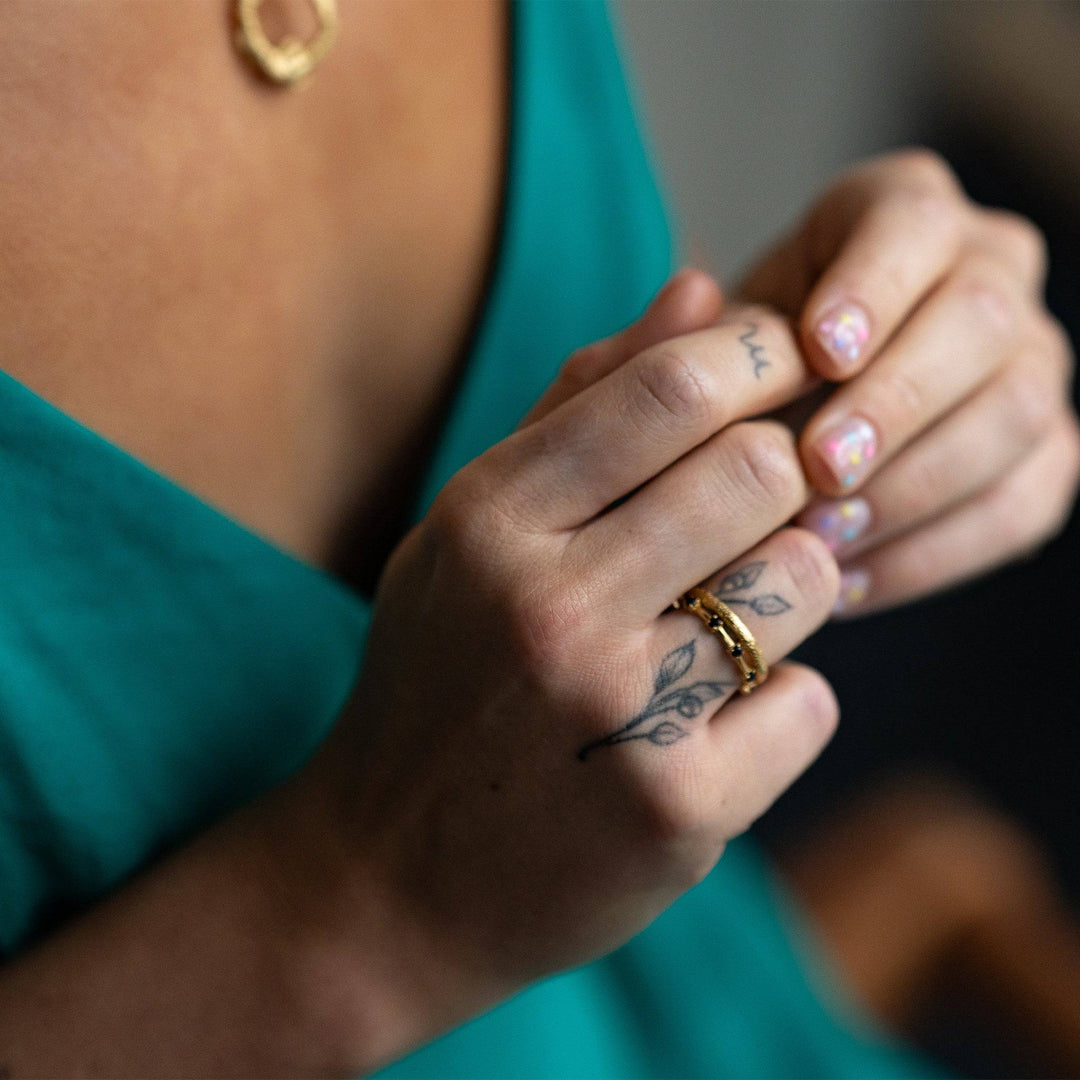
point(754, 107)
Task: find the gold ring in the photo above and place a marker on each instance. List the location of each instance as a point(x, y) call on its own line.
point(738, 642)
point(289, 60)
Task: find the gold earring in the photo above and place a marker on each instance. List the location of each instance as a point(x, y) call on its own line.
point(291, 59)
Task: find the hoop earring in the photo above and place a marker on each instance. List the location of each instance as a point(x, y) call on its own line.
point(291, 59)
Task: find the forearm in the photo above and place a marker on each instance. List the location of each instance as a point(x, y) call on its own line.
point(254, 950)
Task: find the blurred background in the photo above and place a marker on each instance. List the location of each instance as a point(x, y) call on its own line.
point(753, 107)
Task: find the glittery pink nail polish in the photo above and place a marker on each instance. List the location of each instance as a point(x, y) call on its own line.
point(848, 449)
point(854, 586)
point(839, 522)
point(844, 332)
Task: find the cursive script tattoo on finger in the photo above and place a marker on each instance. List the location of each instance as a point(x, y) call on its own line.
point(755, 349)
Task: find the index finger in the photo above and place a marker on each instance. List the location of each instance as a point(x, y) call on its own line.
point(618, 433)
point(689, 301)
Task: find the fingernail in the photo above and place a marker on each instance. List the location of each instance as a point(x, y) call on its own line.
point(844, 331)
point(848, 450)
point(838, 522)
point(854, 585)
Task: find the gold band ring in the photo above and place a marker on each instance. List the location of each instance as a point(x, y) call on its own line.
point(737, 640)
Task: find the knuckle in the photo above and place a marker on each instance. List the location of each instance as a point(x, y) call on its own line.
point(1058, 345)
point(541, 633)
point(1031, 402)
point(471, 518)
point(817, 703)
point(765, 463)
point(928, 476)
point(982, 281)
point(939, 210)
point(900, 397)
point(671, 819)
point(810, 565)
point(677, 823)
point(927, 169)
point(1025, 238)
point(546, 626)
point(675, 384)
point(455, 509)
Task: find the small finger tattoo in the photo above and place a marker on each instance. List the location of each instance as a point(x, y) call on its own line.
point(755, 349)
point(743, 580)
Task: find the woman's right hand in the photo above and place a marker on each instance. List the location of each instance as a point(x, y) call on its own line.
point(539, 757)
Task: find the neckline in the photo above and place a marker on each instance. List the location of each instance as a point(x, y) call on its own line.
point(497, 269)
point(471, 359)
point(492, 290)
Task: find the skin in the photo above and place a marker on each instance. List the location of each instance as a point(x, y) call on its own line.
point(431, 858)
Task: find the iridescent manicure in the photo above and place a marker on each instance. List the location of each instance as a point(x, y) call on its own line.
point(848, 450)
point(854, 586)
point(843, 332)
point(839, 522)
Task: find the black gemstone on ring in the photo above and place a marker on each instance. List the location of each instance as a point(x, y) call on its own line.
point(751, 676)
point(714, 622)
point(736, 650)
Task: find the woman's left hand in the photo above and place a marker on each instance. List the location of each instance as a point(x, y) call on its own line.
point(951, 445)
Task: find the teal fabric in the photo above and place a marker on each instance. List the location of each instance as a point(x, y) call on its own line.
point(160, 663)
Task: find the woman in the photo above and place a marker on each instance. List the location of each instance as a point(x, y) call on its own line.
point(242, 388)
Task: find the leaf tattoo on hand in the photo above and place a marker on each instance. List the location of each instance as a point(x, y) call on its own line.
point(686, 701)
point(674, 666)
point(665, 733)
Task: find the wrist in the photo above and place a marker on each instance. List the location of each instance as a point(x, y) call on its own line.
point(368, 979)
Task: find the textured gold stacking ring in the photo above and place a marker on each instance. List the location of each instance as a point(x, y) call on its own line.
point(738, 642)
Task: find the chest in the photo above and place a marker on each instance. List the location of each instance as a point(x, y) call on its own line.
point(266, 295)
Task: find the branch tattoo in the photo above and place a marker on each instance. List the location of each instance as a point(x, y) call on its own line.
point(755, 349)
point(663, 720)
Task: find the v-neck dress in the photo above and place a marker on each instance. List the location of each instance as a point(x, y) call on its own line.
point(160, 663)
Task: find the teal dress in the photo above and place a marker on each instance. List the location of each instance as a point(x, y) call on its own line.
point(160, 663)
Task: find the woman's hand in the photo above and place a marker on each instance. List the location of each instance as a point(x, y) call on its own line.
point(951, 445)
point(539, 756)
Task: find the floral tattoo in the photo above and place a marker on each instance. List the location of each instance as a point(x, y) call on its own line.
point(663, 719)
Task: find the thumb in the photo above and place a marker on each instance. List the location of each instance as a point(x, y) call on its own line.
point(690, 300)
